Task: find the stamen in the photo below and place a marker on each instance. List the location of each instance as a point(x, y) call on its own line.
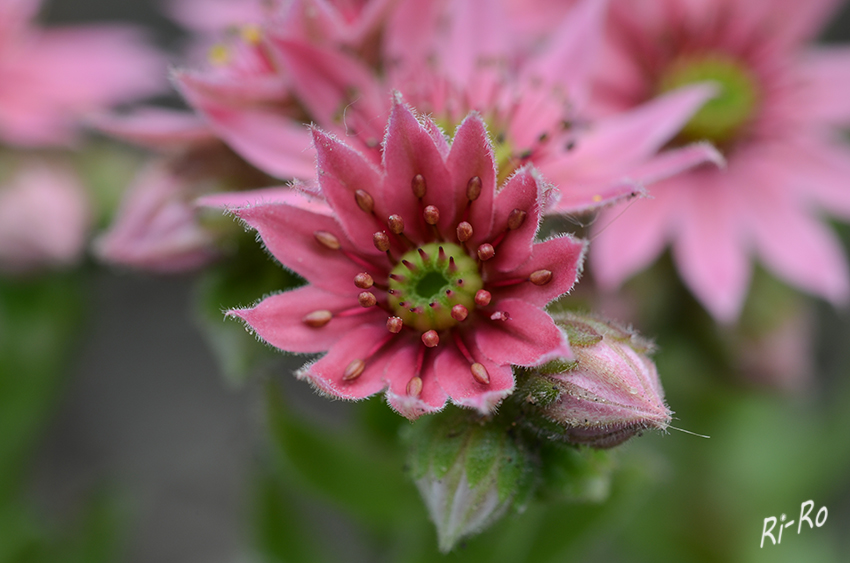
point(482, 297)
point(398, 278)
point(363, 280)
point(473, 188)
point(367, 299)
point(452, 265)
point(396, 224)
point(441, 256)
point(464, 231)
point(317, 319)
point(414, 386)
point(327, 240)
point(430, 338)
point(507, 282)
point(540, 277)
point(364, 201)
point(479, 373)
point(418, 186)
point(395, 324)
point(423, 255)
point(354, 370)
point(450, 293)
point(486, 251)
point(459, 312)
point(381, 241)
point(431, 215)
point(462, 347)
point(352, 312)
point(516, 219)
point(499, 316)
point(410, 266)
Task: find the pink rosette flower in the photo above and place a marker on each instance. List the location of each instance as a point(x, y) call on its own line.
point(774, 120)
point(423, 279)
point(53, 77)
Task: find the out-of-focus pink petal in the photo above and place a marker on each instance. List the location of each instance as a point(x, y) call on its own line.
point(455, 377)
point(156, 228)
point(280, 194)
point(274, 143)
point(216, 15)
point(472, 156)
point(528, 337)
point(627, 240)
point(523, 192)
point(409, 151)
point(290, 235)
point(795, 245)
point(155, 128)
point(826, 76)
point(710, 250)
point(563, 256)
point(410, 32)
point(675, 161)
point(400, 370)
point(817, 169)
point(44, 218)
point(345, 175)
point(279, 319)
point(327, 373)
point(478, 33)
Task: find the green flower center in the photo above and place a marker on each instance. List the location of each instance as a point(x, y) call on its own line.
point(429, 282)
point(723, 117)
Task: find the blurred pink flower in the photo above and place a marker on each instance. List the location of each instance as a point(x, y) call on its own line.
point(424, 280)
point(774, 120)
point(44, 218)
point(532, 107)
point(50, 78)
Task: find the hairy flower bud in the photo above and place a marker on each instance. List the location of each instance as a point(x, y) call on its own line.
point(468, 473)
point(606, 394)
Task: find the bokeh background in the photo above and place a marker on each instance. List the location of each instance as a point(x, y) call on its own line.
point(140, 414)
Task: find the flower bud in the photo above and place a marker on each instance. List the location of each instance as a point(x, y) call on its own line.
point(468, 472)
point(605, 395)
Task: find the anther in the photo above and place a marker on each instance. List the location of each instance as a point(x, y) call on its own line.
point(482, 297)
point(317, 319)
point(396, 224)
point(430, 338)
point(464, 231)
point(423, 255)
point(459, 312)
point(540, 277)
point(354, 370)
point(479, 373)
point(327, 240)
point(364, 200)
point(410, 266)
point(499, 316)
point(418, 186)
point(414, 386)
point(473, 188)
point(395, 324)
point(486, 251)
point(363, 280)
point(381, 241)
point(367, 299)
point(431, 215)
point(516, 219)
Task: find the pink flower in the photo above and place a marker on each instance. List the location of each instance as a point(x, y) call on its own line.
point(51, 78)
point(774, 120)
point(44, 218)
point(424, 280)
point(532, 107)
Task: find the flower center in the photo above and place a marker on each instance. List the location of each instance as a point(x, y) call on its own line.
point(723, 117)
point(432, 285)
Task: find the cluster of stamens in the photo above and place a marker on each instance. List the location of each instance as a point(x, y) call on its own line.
point(432, 288)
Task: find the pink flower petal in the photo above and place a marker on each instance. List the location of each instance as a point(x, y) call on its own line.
point(472, 156)
point(290, 235)
point(709, 250)
point(528, 337)
point(278, 319)
point(155, 128)
point(342, 172)
point(563, 256)
point(455, 378)
point(327, 373)
point(401, 370)
point(410, 150)
point(826, 76)
point(271, 141)
point(522, 192)
point(675, 161)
